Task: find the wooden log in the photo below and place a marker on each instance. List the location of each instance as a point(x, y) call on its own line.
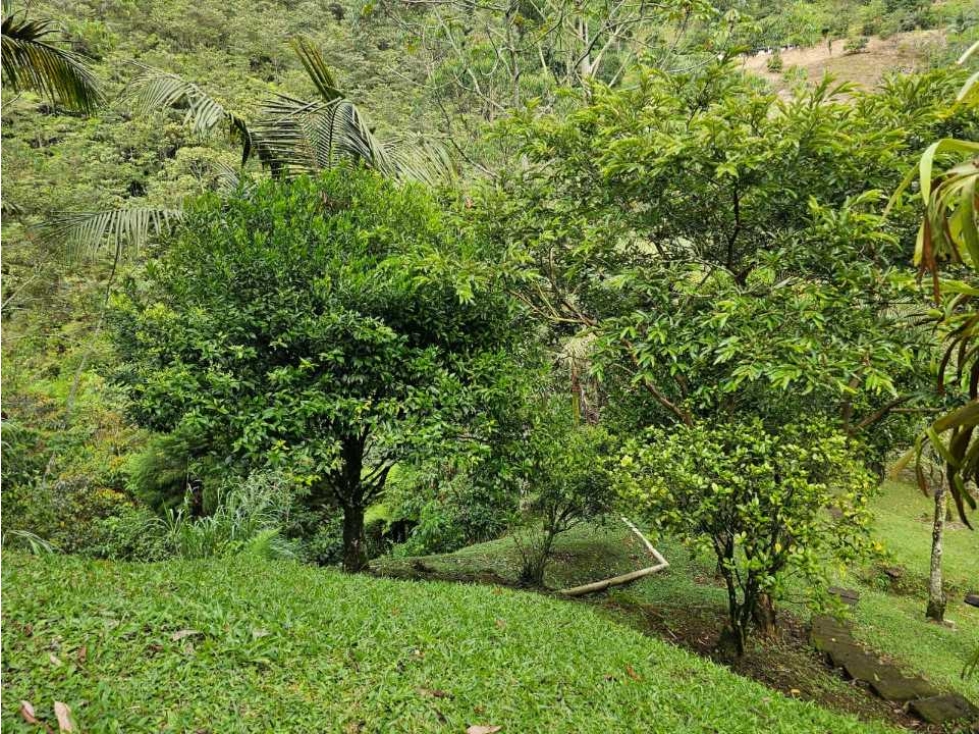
point(626, 578)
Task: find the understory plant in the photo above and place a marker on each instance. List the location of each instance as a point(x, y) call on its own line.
point(566, 484)
point(768, 502)
point(249, 517)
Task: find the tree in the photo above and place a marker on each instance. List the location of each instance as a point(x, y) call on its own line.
point(950, 232)
point(764, 502)
point(720, 248)
point(328, 328)
point(565, 483)
point(31, 62)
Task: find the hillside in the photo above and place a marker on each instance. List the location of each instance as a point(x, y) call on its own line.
point(243, 646)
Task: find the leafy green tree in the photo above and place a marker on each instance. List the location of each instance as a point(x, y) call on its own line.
point(31, 62)
point(765, 502)
point(722, 251)
point(949, 233)
point(328, 328)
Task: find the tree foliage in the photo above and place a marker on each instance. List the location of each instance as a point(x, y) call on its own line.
point(311, 327)
point(767, 503)
point(31, 62)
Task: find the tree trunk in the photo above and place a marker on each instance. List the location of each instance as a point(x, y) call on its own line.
point(936, 591)
point(764, 615)
point(354, 541)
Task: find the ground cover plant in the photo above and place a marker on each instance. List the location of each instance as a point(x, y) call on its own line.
point(249, 646)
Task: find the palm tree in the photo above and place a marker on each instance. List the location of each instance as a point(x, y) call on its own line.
point(291, 137)
point(30, 62)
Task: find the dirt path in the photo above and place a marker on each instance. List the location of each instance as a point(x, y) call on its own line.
point(901, 52)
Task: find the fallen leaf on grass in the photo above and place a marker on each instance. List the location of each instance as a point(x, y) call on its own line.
point(82, 655)
point(434, 693)
point(259, 633)
point(631, 673)
point(483, 729)
point(27, 711)
point(55, 660)
point(63, 714)
point(501, 623)
point(181, 634)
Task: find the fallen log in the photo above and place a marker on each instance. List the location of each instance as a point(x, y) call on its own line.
point(626, 578)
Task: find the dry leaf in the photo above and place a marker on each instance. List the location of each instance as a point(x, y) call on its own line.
point(82, 654)
point(434, 693)
point(259, 633)
point(794, 691)
point(181, 634)
point(631, 673)
point(63, 714)
point(483, 729)
point(55, 660)
point(27, 711)
point(501, 623)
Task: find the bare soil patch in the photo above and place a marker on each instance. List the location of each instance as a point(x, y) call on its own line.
point(900, 52)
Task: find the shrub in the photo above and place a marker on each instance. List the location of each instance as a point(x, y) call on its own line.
point(566, 485)
point(855, 45)
point(775, 63)
point(766, 501)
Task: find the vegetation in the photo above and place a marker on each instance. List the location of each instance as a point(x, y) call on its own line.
point(317, 331)
point(284, 645)
point(31, 62)
point(444, 291)
point(764, 505)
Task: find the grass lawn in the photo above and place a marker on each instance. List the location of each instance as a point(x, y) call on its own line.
point(894, 623)
point(686, 603)
point(246, 645)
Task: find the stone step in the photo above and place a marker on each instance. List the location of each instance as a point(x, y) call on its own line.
point(892, 686)
point(847, 596)
point(943, 709)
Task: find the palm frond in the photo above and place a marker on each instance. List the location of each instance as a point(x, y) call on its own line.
point(156, 89)
point(314, 64)
point(295, 137)
point(31, 63)
point(91, 233)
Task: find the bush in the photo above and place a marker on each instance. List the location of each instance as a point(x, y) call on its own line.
point(855, 45)
point(765, 501)
point(566, 485)
point(248, 518)
point(775, 63)
point(160, 476)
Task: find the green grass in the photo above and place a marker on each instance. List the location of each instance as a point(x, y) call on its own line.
point(895, 623)
point(585, 553)
point(288, 648)
point(904, 517)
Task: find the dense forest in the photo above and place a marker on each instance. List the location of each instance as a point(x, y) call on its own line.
point(635, 342)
